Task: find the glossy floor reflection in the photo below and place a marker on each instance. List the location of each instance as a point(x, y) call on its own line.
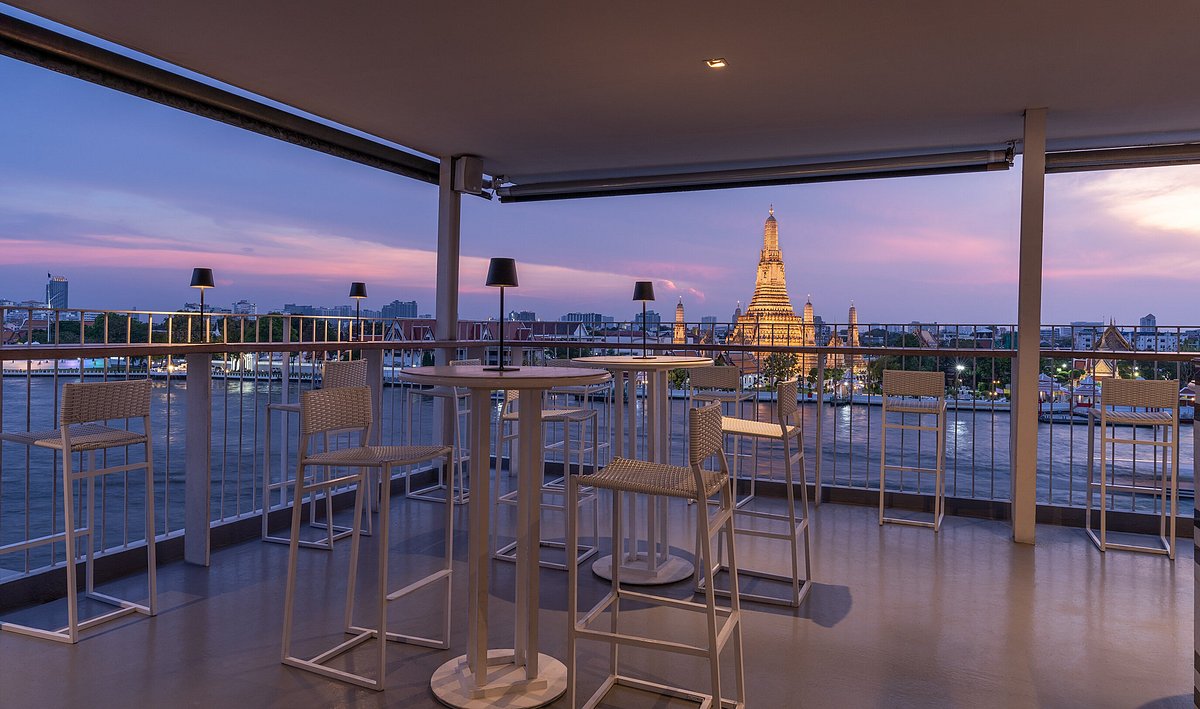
point(899, 617)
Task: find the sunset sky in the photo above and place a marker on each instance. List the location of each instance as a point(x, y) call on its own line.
point(124, 197)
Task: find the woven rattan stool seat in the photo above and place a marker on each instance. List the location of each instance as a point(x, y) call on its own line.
point(91, 437)
point(29, 438)
point(1162, 418)
point(911, 405)
point(377, 455)
point(646, 478)
point(759, 429)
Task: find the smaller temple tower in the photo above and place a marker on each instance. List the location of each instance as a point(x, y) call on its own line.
point(855, 361)
point(680, 337)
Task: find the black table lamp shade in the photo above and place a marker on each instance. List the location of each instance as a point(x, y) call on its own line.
point(358, 290)
point(644, 291)
point(202, 278)
point(502, 273)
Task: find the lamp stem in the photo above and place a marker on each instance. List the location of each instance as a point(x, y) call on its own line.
point(644, 355)
point(202, 315)
point(358, 316)
point(500, 354)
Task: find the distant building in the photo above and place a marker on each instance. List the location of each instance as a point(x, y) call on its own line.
point(589, 318)
point(56, 291)
point(708, 321)
point(294, 309)
point(245, 307)
point(1147, 325)
point(400, 309)
point(1156, 341)
point(653, 319)
point(522, 315)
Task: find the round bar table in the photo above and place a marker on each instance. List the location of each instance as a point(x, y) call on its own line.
point(520, 677)
point(656, 565)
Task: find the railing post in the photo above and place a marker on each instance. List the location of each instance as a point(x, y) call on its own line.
point(197, 497)
point(817, 444)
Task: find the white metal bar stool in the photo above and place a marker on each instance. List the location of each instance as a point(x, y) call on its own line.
point(83, 428)
point(335, 374)
point(349, 409)
point(576, 447)
point(723, 384)
point(1159, 401)
point(922, 394)
point(588, 394)
point(723, 625)
point(791, 435)
point(456, 481)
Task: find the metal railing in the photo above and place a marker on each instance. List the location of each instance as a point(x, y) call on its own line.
point(257, 360)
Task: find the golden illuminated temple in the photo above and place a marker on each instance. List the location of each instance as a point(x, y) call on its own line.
point(770, 319)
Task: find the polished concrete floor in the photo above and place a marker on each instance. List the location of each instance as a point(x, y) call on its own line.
point(898, 617)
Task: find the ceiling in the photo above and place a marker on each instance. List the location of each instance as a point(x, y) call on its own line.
point(567, 90)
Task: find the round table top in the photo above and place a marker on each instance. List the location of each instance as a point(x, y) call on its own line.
point(477, 377)
point(635, 362)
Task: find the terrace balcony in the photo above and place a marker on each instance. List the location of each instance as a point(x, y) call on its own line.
point(1009, 605)
point(897, 616)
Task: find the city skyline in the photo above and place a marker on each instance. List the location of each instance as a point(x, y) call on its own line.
point(124, 197)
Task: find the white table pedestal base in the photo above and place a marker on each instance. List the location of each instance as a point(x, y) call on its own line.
point(454, 684)
point(637, 571)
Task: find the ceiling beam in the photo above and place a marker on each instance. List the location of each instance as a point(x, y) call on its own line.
point(907, 166)
point(1121, 158)
point(51, 50)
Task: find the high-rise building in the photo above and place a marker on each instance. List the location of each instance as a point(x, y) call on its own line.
point(400, 309)
point(56, 291)
point(770, 319)
point(653, 319)
point(1147, 324)
point(522, 315)
point(245, 307)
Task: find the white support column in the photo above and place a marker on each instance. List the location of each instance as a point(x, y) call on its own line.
point(197, 496)
point(375, 381)
point(1029, 328)
point(446, 327)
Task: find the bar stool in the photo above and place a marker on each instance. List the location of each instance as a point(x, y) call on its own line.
point(590, 394)
point(334, 374)
point(791, 435)
point(86, 411)
point(723, 384)
point(923, 394)
point(567, 417)
point(459, 399)
point(722, 624)
point(1159, 400)
point(349, 409)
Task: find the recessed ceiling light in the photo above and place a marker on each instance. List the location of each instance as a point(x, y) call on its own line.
point(715, 63)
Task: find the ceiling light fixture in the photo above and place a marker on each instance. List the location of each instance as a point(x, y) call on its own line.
point(716, 63)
